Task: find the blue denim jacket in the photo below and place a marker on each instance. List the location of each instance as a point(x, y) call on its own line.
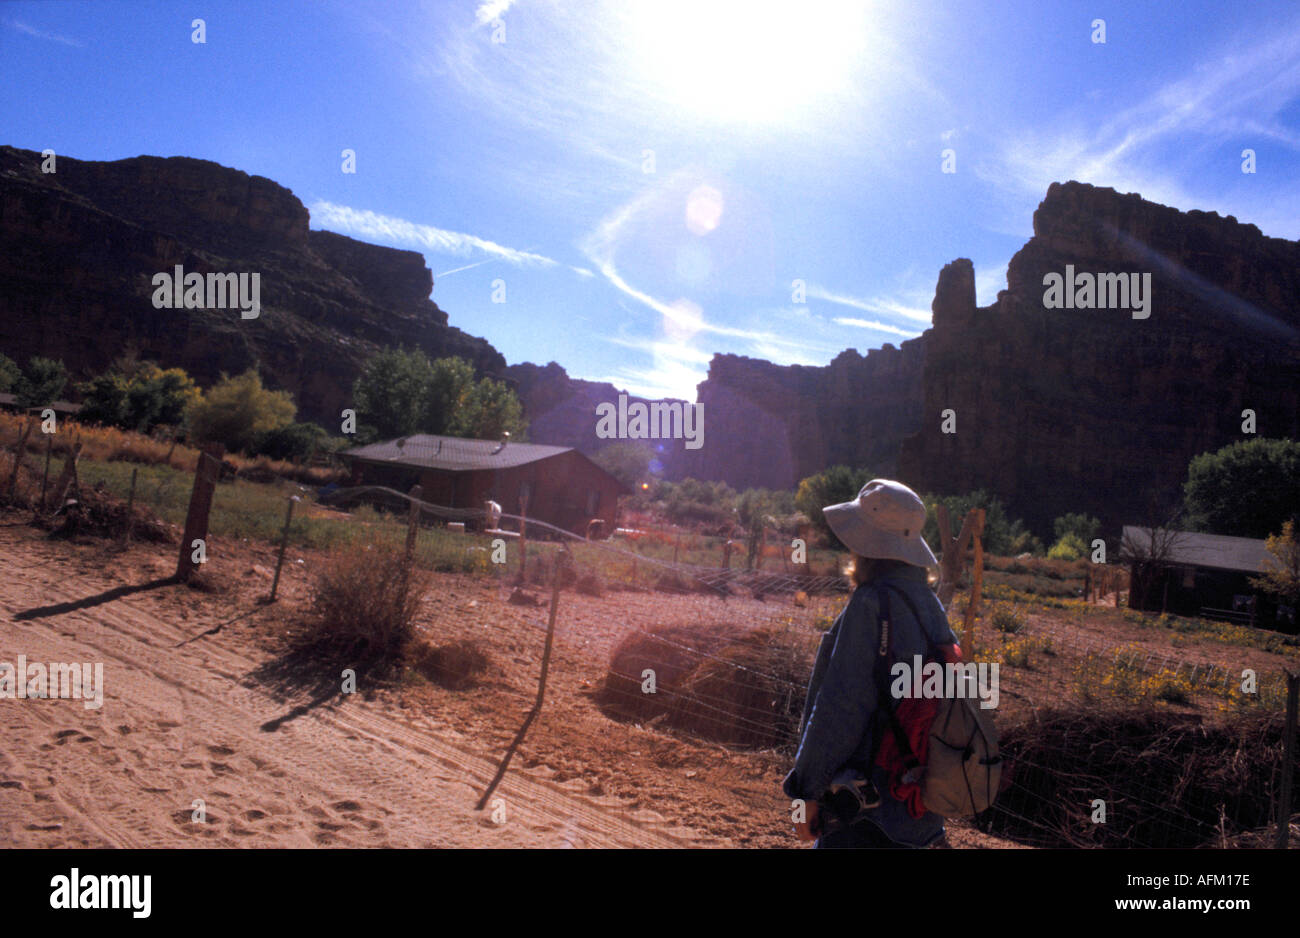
point(837, 727)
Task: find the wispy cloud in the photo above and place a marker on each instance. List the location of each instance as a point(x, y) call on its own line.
point(881, 306)
point(392, 230)
point(42, 34)
point(490, 10)
point(1235, 95)
point(877, 326)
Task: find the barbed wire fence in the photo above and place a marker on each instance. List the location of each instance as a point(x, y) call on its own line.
point(729, 651)
point(724, 655)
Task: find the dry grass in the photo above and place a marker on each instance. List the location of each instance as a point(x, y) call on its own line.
point(109, 444)
point(1167, 779)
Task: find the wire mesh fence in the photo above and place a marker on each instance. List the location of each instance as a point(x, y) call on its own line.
point(1116, 755)
point(1109, 743)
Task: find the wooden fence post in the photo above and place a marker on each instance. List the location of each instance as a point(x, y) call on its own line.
point(541, 691)
point(45, 477)
point(1288, 760)
point(953, 557)
point(976, 588)
point(19, 452)
point(523, 538)
point(413, 522)
point(130, 507)
point(284, 541)
point(206, 474)
point(66, 478)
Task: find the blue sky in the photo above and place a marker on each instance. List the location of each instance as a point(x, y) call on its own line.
point(647, 180)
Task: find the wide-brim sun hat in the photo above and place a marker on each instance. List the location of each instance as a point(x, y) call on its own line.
point(884, 521)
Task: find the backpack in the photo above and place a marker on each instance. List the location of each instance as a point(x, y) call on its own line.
point(943, 753)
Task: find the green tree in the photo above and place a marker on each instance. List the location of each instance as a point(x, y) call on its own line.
point(1247, 489)
point(41, 382)
point(9, 374)
point(292, 441)
point(1068, 546)
point(829, 487)
point(103, 400)
point(487, 410)
point(238, 411)
point(391, 394)
point(138, 396)
point(448, 389)
point(1281, 569)
point(1002, 535)
point(399, 393)
point(627, 461)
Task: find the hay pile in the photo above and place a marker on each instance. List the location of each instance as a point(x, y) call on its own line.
point(671, 652)
point(456, 666)
point(750, 695)
point(98, 514)
point(717, 682)
point(1168, 779)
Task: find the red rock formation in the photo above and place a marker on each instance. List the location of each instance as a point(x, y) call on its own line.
point(1092, 410)
point(78, 249)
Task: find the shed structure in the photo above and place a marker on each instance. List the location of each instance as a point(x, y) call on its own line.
point(1204, 575)
point(563, 486)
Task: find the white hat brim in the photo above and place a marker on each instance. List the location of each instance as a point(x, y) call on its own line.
point(847, 521)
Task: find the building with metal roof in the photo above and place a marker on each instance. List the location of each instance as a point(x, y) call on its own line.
point(560, 484)
point(1209, 575)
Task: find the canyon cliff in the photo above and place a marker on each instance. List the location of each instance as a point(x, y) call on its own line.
point(1053, 409)
point(1094, 410)
point(79, 246)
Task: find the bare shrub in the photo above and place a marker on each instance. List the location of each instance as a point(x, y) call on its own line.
point(365, 596)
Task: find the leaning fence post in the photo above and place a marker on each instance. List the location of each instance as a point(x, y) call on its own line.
point(45, 477)
point(1288, 760)
point(413, 522)
point(541, 691)
point(284, 541)
point(523, 538)
point(976, 587)
point(18, 455)
point(196, 519)
point(130, 506)
point(66, 477)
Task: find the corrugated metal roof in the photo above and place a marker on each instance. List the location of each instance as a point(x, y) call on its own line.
point(1205, 550)
point(62, 407)
point(454, 453)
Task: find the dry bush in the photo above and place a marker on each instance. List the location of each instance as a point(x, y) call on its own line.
point(456, 666)
point(98, 514)
point(365, 597)
point(1168, 779)
point(590, 584)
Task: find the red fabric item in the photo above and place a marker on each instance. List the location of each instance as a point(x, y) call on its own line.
point(916, 715)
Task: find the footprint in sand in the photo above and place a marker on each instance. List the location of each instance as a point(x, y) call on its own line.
point(221, 751)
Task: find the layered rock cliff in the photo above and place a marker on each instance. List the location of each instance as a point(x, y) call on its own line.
point(1091, 409)
point(78, 249)
point(765, 425)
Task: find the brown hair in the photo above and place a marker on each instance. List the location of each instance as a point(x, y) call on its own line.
point(865, 569)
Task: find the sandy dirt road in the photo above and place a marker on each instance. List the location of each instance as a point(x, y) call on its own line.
point(179, 724)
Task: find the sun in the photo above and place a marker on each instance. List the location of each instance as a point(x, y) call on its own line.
point(747, 60)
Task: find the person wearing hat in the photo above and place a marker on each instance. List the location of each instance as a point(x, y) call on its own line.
point(847, 798)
